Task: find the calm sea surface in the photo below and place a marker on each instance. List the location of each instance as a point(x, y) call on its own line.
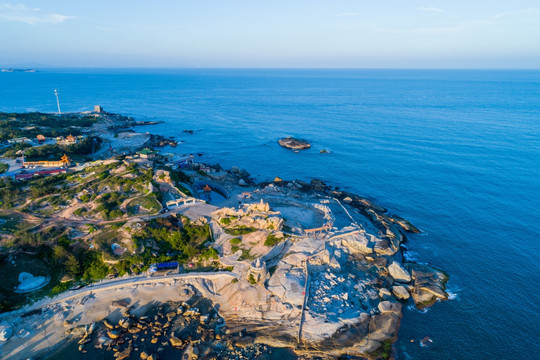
point(455, 152)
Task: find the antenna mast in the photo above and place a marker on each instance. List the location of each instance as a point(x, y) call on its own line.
point(57, 101)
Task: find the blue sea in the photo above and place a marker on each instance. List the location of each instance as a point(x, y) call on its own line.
point(456, 152)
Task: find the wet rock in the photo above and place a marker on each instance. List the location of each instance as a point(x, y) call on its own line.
point(294, 144)
point(405, 225)
point(113, 334)
point(426, 341)
point(78, 331)
point(123, 354)
point(400, 292)
point(319, 185)
point(383, 326)
point(389, 307)
point(428, 285)
point(399, 273)
point(191, 353)
point(107, 324)
point(244, 341)
point(125, 323)
point(176, 341)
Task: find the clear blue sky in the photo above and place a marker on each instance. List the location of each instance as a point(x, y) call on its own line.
point(271, 33)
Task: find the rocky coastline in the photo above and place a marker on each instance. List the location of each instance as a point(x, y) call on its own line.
point(320, 271)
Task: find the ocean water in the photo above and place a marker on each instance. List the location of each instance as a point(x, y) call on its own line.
point(455, 152)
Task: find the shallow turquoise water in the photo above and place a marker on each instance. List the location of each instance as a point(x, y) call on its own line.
point(455, 152)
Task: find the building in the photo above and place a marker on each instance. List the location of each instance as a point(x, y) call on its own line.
point(183, 161)
point(98, 109)
point(19, 140)
point(147, 153)
point(40, 138)
point(64, 162)
point(68, 140)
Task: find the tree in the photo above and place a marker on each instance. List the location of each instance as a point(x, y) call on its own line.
point(94, 268)
point(72, 265)
point(59, 253)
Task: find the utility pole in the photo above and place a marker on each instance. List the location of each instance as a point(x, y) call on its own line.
point(57, 101)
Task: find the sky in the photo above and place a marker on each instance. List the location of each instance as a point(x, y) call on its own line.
point(271, 34)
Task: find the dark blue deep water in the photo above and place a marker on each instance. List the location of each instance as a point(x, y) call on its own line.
point(455, 152)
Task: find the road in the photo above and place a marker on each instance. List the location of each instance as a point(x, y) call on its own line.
point(119, 283)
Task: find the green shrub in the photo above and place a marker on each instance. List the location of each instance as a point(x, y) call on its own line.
point(251, 279)
point(240, 230)
point(271, 240)
point(61, 287)
point(79, 211)
point(94, 268)
point(210, 253)
point(235, 241)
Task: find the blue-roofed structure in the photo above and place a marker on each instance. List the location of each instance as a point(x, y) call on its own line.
point(167, 266)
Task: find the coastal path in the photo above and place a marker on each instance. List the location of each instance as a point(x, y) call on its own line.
point(306, 292)
point(131, 281)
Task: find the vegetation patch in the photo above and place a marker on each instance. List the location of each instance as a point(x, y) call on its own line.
point(12, 221)
point(235, 241)
point(148, 203)
point(272, 240)
point(240, 230)
point(251, 279)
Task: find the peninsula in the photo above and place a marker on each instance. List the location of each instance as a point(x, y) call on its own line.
point(111, 245)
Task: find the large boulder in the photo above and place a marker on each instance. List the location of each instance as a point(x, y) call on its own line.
point(428, 285)
point(400, 292)
point(294, 144)
point(383, 326)
point(389, 307)
point(399, 273)
point(176, 341)
point(357, 242)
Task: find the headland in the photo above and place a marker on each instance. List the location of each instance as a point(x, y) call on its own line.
point(153, 255)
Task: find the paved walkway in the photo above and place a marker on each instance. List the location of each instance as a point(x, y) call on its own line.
point(306, 292)
point(119, 283)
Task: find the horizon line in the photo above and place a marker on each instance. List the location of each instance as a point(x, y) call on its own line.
point(261, 68)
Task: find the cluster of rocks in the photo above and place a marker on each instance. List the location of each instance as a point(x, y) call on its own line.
point(239, 352)
point(172, 328)
point(172, 331)
point(161, 141)
point(240, 176)
point(331, 292)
